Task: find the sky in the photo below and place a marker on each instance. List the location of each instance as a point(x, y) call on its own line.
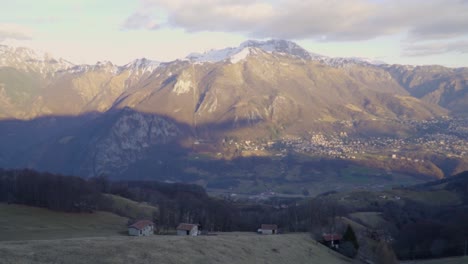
point(417, 32)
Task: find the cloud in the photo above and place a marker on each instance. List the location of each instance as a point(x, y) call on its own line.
point(139, 21)
point(435, 48)
point(329, 20)
point(218, 15)
point(45, 19)
point(14, 31)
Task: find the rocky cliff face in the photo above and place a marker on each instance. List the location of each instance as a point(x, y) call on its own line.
point(92, 145)
point(128, 140)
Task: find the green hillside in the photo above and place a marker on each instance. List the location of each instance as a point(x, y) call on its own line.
point(126, 207)
point(19, 222)
point(222, 248)
point(457, 260)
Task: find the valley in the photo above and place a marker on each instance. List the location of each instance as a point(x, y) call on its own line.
point(203, 131)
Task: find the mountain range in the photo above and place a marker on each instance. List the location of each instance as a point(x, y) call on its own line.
point(104, 118)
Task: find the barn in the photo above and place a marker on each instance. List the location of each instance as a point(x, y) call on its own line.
point(141, 228)
point(332, 240)
point(184, 229)
point(267, 229)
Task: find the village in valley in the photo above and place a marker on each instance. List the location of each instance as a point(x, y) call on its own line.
point(445, 136)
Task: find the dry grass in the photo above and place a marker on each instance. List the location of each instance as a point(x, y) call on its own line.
point(223, 248)
point(68, 238)
point(19, 222)
point(371, 219)
point(456, 260)
point(126, 207)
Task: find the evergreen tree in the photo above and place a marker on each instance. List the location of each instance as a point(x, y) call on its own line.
point(350, 236)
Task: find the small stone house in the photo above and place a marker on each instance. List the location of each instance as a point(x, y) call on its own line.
point(332, 240)
point(141, 228)
point(184, 229)
point(268, 229)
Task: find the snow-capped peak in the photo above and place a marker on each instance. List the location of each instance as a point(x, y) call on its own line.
point(343, 61)
point(29, 60)
point(138, 66)
point(105, 66)
point(141, 66)
point(213, 55)
point(249, 47)
point(243, 54)
point(279, 46)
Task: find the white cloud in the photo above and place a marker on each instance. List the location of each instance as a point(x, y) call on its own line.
point(140, 21)
point(14, 31)
point(319, 19)
point(435, 48)
point(213, 15)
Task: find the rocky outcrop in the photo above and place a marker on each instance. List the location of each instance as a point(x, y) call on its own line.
point(128, 139)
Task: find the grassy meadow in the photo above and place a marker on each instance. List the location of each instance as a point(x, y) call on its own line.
point(221, 248)
point(456, 260)
point(36, 235)
point(19, 222)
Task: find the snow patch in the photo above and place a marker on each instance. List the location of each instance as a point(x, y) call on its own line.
point(250, 47)
point(141, 66)
point(30, 60)
point(213, 55)
point(241, 55)
point(213, 106)
point(279, 47)
point(183, 85)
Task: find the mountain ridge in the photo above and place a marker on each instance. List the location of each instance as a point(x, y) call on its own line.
point(270, 91)
point(283, 79)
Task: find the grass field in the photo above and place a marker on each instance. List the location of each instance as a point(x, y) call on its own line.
point(37, 235)
point(18, 222)
point(222, 248)
point(129, 208)
point(456, 260)
point(370, 219)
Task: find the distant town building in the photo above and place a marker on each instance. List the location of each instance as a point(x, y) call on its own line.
point(267, 229)
point(141, 228)
point(184, 229)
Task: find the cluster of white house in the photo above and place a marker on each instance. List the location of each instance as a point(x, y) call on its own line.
point(146, 228)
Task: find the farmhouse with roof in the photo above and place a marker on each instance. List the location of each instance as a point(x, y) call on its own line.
point(184, 229)
point(332, 240)
point(267, 229)
point(141, 228)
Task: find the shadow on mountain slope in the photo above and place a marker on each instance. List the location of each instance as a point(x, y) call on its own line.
point(126, 144)
point(73, 144)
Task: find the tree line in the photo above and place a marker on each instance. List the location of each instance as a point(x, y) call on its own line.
point(176, 202)
point(56, 192)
